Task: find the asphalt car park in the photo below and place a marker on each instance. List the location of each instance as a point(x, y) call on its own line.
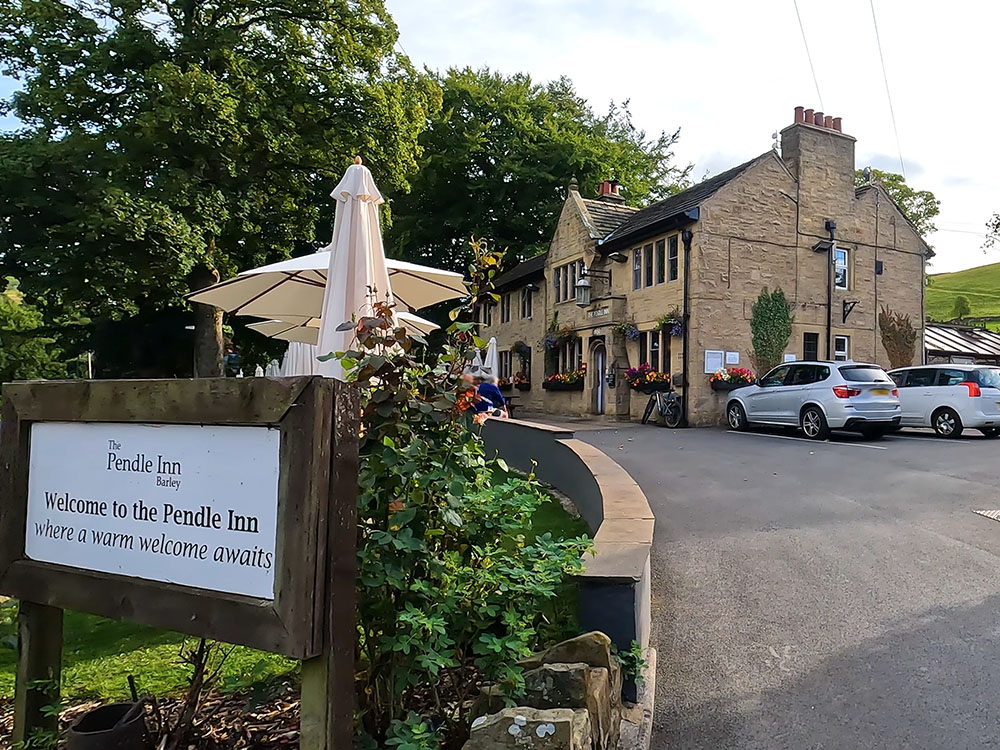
point(821, 594)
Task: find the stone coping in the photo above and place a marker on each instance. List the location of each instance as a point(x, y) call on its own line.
point(621, 523)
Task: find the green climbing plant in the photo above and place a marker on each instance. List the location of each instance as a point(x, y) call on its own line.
point(771, 321)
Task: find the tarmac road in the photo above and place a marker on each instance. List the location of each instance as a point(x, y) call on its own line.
point(820, 595)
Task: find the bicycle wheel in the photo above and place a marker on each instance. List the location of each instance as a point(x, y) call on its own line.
point(672, 413)
point(650, 405)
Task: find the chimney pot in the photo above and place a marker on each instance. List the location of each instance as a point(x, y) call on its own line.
point(614, 187)
point(605, 188)
point(808, 116)
point(799, 115)
point(828, 121)
point(818, 120)
point(837, 124)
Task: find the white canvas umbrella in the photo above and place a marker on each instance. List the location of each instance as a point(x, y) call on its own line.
point(492, 360)
point(300, 359)
point(294, 288)
point(306, 330)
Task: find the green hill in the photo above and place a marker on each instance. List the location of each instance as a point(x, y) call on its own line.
point(980, 285)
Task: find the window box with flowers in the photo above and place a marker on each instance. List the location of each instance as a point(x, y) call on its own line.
point(565, 381)
point(505, 385)
point(644, 378)
point(522, 381)
point(731, 378)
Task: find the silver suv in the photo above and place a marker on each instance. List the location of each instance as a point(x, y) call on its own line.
point(819, 397)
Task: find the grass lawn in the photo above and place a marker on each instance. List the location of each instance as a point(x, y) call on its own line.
point(981, 286)
point(99, 654)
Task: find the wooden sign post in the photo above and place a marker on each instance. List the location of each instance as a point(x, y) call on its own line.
point(220, 508)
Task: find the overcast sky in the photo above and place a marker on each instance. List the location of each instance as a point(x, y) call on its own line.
point(730, 72)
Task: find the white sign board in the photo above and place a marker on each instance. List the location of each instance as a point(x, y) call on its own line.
point(185, 504)
point(732, 358)
point(713, 360)
point(790, 357)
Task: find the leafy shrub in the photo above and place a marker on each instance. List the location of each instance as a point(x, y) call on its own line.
point(450, 593)
point(770, 328)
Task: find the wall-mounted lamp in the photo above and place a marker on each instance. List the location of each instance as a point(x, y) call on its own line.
point(532, 287)
point(583, 289)
point(618, 257)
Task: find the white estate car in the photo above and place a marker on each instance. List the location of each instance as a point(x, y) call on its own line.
point(950, 398)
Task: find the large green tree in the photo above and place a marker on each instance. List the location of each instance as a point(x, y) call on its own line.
point(25, 351)
point(166, 142)
point(919, 206)
point(498, 156)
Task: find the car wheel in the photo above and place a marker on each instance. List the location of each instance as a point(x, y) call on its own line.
point(813, 423)
point(873, 433)
point(947, 423)
point(736, 417)
point(990, 432)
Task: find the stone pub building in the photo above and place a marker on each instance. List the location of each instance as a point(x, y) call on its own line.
point(792, 219)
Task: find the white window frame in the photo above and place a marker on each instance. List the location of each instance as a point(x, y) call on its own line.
point(637, 268)
point(526, 300)
point(673, 255)
point(506, 358)
point(839, 252)
point(660, 251)
point(505, 308)
point(557, 287)
point(570, 355)
point(841, 348)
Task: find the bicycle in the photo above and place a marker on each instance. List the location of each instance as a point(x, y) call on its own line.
point(667, 406)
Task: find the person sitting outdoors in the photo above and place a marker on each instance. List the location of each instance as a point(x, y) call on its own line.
point(488, 389)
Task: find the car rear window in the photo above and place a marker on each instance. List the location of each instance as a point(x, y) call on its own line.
point(989, 378)
point(865, 374)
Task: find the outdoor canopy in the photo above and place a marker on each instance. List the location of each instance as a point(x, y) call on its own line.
point(307, 332)
point(293, 289)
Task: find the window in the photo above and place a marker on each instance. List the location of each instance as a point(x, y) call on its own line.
point(810, 346)
point(661, 261)
point(775, 377)
point(485, 315)
point(505, 308)
point(526, 299)
point(988, 377)
point(865, 374)
point(808, 374)
point(565, 281)
point(654, 349)
point(920, 378)
point(951, 377)
point(505, 364)
point(840, 268)
point(637, 268)
point(570, 355)
point(841, 348)
point(643, 351)
point(647, 256)
point(672, 259)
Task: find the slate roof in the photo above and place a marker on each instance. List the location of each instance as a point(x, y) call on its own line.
point(523, 272)
point(962, 341)
point(606, 216)
point(643, 222)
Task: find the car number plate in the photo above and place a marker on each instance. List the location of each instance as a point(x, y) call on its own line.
point(880, 391)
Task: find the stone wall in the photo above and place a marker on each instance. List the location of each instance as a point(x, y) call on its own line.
point(571, 701)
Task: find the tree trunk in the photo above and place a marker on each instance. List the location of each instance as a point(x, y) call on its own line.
point(207, 327)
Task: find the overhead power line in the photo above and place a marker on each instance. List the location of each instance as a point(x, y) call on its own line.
point(888, 95)
point(808, 55)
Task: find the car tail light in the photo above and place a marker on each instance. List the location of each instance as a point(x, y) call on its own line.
point(974, 389)
point(895, 392)
point(844, 391)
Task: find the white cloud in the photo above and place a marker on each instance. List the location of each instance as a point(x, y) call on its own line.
point(729, 73)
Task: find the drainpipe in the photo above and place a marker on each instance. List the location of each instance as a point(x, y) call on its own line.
point(686, 237)
point(831, 227)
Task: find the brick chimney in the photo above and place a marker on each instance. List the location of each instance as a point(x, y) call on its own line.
point(608, 191)
point(820, 156)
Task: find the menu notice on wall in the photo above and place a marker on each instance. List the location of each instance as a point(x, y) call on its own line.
point(185, 504)
point(713, 360)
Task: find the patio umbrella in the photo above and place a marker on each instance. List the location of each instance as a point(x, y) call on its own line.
point(294, 288)
point(306, 330)
point(492, 360)
point(300, 359)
